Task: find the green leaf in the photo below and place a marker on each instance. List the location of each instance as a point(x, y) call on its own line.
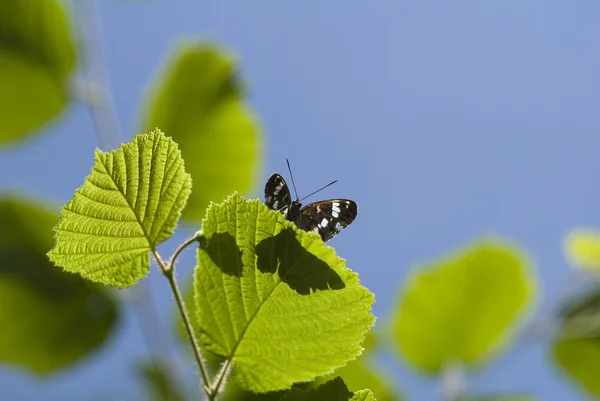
point(499, 398)
point(198, 101)
point(50, 319)
point(333, 390)
point(36, 58)
point(363, 395)
point(577, 344)
point(235, 393)
point(159, 381)
point(275, 300)
point(582, 247)
point(127, 206)
point(459, 309)
point(361, 373)
point(580, 359)
point(355, 374)
point(584, 306)
point(580, 315)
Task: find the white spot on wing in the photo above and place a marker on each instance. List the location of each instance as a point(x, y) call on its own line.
point(324, 223)
point(334, 213)
point(335, 207)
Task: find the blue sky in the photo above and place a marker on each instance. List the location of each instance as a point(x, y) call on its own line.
point(443, 120)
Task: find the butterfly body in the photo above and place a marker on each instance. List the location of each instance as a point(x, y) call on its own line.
point(294, 211)
point(327, 218)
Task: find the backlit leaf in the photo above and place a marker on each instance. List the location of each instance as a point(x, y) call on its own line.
point(333, 390)
point(577, 344)
point(363, 395)
point(362, 373)
point(198, 101)
point(49, 318)
point(159, 381)
point(582, 247)
point(580, 358)
point(459, 309)
point(499, 398)
point(130, 203)
point(275, 300)
point(36, 58)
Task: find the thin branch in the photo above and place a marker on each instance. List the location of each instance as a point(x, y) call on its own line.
point(95, 88)
point(168, 271)
point(452, 382)
point(95, 84)
point(180, 248)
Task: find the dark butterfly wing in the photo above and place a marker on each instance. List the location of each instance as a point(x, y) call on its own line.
point(328, 217)
point(277, 193)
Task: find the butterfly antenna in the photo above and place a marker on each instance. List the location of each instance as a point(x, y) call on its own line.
point(292, 177)
point(320, 189)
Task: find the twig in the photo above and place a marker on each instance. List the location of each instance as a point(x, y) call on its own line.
point(97, 95)
point(95, 83)
point(168, 270)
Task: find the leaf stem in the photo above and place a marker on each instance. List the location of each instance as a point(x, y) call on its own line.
point(224, 372)
point(453, 382)
point(180, 248)
point(188, 328)
point(168, 270)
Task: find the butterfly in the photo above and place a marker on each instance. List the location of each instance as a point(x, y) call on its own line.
point(327, 218)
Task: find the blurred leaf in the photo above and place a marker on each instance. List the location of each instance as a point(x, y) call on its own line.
point(333, 390)
point(577, 344)
point(128, 205)
point(499, 398)
point(586, 303)
point(360, 373)
point(158, 381)
point(36, 57)
point(459, 309)
point(198, 102)
point(582, 247)
point(580, 359)
point(50, 319)
point(579, 316)
point(275, 300)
